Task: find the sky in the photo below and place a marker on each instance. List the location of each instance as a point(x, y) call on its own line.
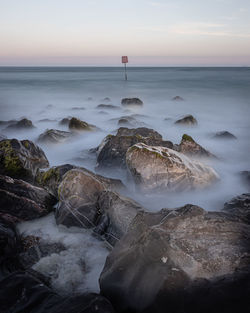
point(150, 32)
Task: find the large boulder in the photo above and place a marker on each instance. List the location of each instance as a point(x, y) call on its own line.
point(78, 194)
point(23, 292)
point(112, 151)
point(22, 124)
point(187, 120)
point(239, 206)
point(77, 125)
point(131, 101)
point(23, 201)
point(170, 260)
point(54, 136)
point(117, 212)
point(21, 159)
point(191, 148)
point(161, 169)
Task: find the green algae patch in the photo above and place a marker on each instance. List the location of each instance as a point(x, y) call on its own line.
point(187, 138)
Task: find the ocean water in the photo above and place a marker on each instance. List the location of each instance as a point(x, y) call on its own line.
point(219, 98)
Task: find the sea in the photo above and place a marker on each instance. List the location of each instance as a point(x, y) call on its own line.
point(218, 97)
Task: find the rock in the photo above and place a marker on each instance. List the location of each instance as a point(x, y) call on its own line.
point(177, 98)
point(107, 99)
point(191, 148)
point(245, 176)
point(23, 200)
point(187, 120)
point(240, 207)
point(131, 101)
point(78, 108)
point(128, 121)
point(177, 254)
point(78, 125)
point(108, 107)
point(23, 292)
point(112, 151)
point(161, 169)
point(117, 212)
point(21, 159)
point(2, 137)
point(46, 120)
point(52, 136)
point(103, 112)
point(49, 106)
point(22, 124)
point(4, 123)
point(224, 135)
point(78, 194)
point(65, 121)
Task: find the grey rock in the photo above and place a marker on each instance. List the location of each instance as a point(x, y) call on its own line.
point(54, 136)
point(187, 120)
point(131, 101)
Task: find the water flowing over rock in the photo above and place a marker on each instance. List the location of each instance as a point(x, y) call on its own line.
point(23, 201)
point(117, 212)
point(131, 101)
point(21, 159)
point(161, 169)
point(187, 120)
point(53, 136)
point(179, 261)
point(22, 292)
point(112, 151)
point(78, 194)
point(191, 148)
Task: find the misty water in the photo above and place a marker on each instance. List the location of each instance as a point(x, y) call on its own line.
point(219, 98)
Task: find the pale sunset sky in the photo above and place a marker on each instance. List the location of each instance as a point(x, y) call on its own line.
point(150, 32)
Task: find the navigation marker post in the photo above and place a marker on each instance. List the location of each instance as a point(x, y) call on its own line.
point(125, 61)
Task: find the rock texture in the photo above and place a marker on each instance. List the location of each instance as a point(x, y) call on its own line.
point(53, 136)
point(22, 201)
point(131, 101)
point(182, 260)
point(161, 169)
point(187, 120)
point(78, 194)
point(112, 151)
point(21, 159)
point(117, 212)
point(240, 207)
point(191, 148)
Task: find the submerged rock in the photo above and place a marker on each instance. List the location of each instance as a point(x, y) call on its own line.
point(177, 98)
point(117, 212)
point(185, 254)
point(22, 200)
point(78, 194)
point(22, 124)
point(54, 136)
point(224, 135)
point(76, 124)
point(108, 107)
point(189, 147)
point(112, 151)
point(23, 292)
point(161, 169)
point(131, 101)
point(21, 159)
point(187, 120)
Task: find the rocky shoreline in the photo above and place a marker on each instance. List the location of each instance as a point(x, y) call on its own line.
point(176, 260)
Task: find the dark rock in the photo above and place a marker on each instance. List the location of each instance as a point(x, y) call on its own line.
point(245, 176)
point(4, 123)
point(107, 99)
point(78, 108)
point(177, 98)
point(65, 121)
point(187, 120)
point(22, 124)
point(224, 135)
point(22, 292)
point(53, 136)
point(112, 151)
point(156, 168)
point(117, 212)
point(108, 107)
point(191, 148)
point(240, 207)
point(178, 261)
point(2, 137)
point(131, 101)
point(22, 200)
point(78, 194)
point(78, 125)
point(21, 159)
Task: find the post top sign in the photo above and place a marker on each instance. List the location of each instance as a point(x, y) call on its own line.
point(124, 59)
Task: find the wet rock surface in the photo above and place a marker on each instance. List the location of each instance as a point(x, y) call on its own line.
point(21, 159)
point(131, 101)
point(54, 136)
point(182, 253)
point(77, 125)
point(162, 169)
point(112, 151)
